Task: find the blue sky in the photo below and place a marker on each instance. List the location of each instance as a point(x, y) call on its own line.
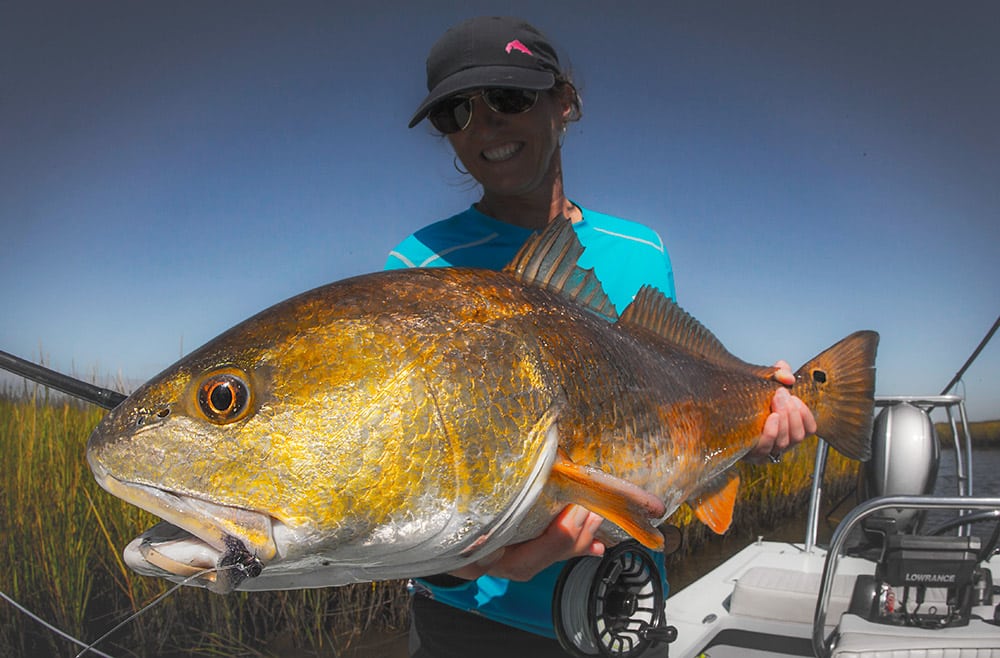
point(168, 169)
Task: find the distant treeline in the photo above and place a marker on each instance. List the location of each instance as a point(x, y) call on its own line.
point(985, 434)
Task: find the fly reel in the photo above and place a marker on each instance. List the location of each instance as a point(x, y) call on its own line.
point(611, 606)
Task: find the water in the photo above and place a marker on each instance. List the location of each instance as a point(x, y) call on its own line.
point(985, 473)
point(985, 480)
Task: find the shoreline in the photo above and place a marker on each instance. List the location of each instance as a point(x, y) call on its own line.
point(985, 434)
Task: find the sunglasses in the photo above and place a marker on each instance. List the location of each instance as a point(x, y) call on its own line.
point(454, 114)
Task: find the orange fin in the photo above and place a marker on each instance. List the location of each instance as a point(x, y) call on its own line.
point(838, 386)
point(632, 508)
point(714, 507)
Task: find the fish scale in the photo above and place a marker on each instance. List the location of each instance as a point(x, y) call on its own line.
point(405, 423)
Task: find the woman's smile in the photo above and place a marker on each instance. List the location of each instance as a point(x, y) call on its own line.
point(502, 152)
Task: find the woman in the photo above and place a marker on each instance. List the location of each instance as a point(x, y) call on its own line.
point(496, 90)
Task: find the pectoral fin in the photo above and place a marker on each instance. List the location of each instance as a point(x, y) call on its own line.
point(630, 507)
point(714, 505)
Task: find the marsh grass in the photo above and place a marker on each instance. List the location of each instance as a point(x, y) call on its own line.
point(984, 434)
point(62, 538)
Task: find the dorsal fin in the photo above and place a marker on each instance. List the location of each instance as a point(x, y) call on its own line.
point(549, 260)
point(653, 311)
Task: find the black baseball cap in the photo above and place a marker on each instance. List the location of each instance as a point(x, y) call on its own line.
point(488, 51)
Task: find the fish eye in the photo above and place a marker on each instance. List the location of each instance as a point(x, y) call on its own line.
point(224, 398)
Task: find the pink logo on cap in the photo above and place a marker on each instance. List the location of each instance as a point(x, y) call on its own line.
point(520, 47)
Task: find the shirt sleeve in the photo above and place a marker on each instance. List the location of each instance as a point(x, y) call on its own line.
point(626, 257)
point(660, 274)
point(411, 252)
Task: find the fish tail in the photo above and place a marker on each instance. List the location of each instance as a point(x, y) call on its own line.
point(838, 386)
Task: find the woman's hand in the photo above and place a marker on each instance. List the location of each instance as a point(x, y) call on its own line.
point(790, 420)
point(569, 535)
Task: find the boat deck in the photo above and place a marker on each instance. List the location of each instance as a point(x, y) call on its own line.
point(762, 602)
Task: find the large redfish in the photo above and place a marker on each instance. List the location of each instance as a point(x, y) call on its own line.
point(405, 423)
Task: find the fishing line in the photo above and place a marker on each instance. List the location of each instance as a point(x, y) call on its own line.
point(575, 593)
point(52, 628)
point(149, 605)
point(92, 646)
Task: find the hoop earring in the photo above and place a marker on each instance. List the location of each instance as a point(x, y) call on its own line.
point(458, 168)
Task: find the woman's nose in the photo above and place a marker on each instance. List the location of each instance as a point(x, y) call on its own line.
point(483, 117)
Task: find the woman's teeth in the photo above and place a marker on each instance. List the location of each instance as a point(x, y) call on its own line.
point(501, 153)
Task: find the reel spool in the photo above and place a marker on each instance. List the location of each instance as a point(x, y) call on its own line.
point(611, 606)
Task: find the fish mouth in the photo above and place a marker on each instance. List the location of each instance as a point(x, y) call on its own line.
point(199, 542)
point(166, 551)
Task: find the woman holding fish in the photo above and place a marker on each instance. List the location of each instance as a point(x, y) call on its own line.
point(497, 91)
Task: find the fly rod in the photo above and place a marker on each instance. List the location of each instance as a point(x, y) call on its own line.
point(975, 353)
point(102, 397)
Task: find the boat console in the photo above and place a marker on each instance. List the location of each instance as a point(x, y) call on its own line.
point(922, 579)
point(925, 582)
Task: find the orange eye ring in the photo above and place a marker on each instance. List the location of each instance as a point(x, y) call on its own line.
point(224, 398)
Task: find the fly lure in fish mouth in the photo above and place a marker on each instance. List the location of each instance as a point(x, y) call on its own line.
point(244, 563)
point(222, 574)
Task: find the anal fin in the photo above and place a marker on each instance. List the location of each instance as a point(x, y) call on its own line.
point(714, 506)
point(629, 506)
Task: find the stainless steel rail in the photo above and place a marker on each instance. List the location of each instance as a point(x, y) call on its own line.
point(821, 644)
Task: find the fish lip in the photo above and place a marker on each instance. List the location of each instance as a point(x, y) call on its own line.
point(198, 523)
point(166, 551)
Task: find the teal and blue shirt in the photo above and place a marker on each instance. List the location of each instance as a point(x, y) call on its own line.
point(625, 256)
